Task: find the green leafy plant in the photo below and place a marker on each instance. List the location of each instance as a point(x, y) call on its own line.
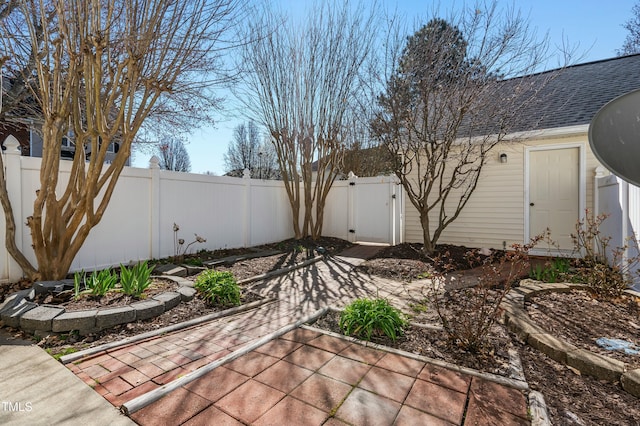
point(101, 282)
point(78, 283)
point(218, 287)
point(552, 272)
point(135, 280)
point(367, 317)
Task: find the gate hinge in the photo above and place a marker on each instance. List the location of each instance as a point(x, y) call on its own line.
point(352, 231)
point(352, 183)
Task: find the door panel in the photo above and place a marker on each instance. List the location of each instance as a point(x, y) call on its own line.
point(554, 193)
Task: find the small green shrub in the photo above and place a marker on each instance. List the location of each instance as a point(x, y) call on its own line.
point(218, 287)
point(100, 282)
point(552, 272)
point(364, 317)
point(136, 280)
point(78, 283)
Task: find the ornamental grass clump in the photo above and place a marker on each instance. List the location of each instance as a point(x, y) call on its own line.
point(367, 317)
point(218, 287)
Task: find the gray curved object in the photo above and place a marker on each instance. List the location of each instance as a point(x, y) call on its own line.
point(614, 136)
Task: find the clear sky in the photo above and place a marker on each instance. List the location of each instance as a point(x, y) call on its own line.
point(595, 26)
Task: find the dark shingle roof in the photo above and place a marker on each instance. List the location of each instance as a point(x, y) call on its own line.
point(577, 92)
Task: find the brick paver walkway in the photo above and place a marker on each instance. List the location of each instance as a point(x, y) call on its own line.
point(301, 378)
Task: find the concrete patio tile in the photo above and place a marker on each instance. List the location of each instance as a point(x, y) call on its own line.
point(175, 408)
point(94, 360)
point(344, 369)
point(480, 413)
point(322, 392)
point(291, 411)
point(252, 363)
point(135, 377)
point(126, 357)
point(212, 416)
point(164, 363)
point(179, 359)
point(391, 385)
point(301, 335)
point(329, 343)
point(283, 376)
point(217, 383)
point(96, 371)
point(194, 365)
point(148, 369)
point(400, 364)
point(442, 402)
point(154, 347)
point(113, 364)
point(363, 354)
point(445, 377)
point(279, 348)
point(116, 373)
point(489, 394)
point(137, 391)
point(365, 408)
point(116, 386)
point(250, 401)
point(171, 375)
point(309, 357)
point(410, 417)
point(141, 352)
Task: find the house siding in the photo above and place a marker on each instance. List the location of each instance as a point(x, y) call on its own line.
point(495, 213)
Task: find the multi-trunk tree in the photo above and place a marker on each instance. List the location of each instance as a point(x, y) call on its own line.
point(301, 83)
point(98, 70)
point(450, 99)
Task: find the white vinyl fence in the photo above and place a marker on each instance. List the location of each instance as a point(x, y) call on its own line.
point(621, 202)
point(228, 212)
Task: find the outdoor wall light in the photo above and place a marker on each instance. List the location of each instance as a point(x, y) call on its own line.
point(503, 157)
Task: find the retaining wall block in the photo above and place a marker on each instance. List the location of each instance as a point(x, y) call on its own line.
point(187, 293)
point(106, 318)
point(84, 321)
point(39, 318)
point(631, 382)
point(11, 313)
point(554, 348)
point(146, 309)
point(600, 367)
point(170, 299)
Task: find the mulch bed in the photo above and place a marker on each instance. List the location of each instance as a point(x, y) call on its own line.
point(580, 318)
point(407, 262)
point(436, 344)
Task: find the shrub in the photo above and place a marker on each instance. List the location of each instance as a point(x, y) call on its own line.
point(364, 317)
point(606, 275)
point(101, 282)
point(218, 287)
point(136, 280)
point(468, 314)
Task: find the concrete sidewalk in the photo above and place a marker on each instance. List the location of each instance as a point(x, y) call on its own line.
point(35, 389)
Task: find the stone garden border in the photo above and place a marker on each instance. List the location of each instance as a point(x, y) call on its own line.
point(19, 310)
point(517, 320)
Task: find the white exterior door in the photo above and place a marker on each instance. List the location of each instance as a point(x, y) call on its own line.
point(554, 193)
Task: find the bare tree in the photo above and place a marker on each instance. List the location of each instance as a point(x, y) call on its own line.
point(249, 150)
point(102, 68)
point(447, 105)
point(301, 81)
point(173, 155)
point(632, 42)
